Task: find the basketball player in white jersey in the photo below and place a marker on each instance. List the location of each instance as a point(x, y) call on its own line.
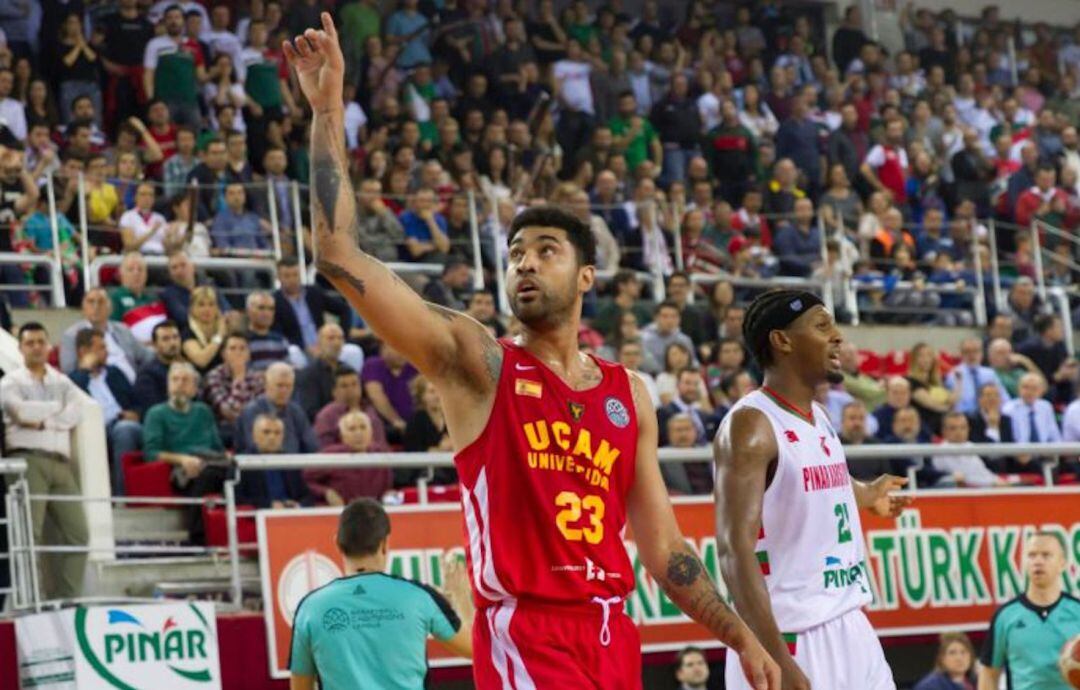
point(788, 533)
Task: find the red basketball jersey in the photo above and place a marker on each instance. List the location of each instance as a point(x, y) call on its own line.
point(544, 487)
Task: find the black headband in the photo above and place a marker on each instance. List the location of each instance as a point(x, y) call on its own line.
point(775, 311)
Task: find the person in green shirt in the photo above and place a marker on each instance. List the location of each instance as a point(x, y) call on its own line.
point(359, 19)
point(634, 134)
point(1008, 365)
point(183, 432)
point(369, 629)
point(869, 390)
point(1027, 633)
point(132, 292)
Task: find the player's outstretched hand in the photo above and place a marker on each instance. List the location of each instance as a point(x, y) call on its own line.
point(456, 586)
point(320, 66)
point(884, 501)
point(759, 668)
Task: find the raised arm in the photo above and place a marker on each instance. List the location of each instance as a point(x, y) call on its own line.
point(744, 451)
point(673, 564)
point(442, 344)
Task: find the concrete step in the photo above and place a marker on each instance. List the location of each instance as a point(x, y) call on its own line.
point(140, 577)
point(141, 524)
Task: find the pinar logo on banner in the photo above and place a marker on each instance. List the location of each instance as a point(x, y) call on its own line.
point(121, 648)
point(945, 564)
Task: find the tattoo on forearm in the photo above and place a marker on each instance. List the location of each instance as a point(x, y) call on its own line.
point(689, 587)
point(337, 273)
point(327, 184)
point(683, 569)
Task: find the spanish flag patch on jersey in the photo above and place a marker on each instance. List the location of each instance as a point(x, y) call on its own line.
point(530, 388)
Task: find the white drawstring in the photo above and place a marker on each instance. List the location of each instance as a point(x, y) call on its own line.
point(605, 629)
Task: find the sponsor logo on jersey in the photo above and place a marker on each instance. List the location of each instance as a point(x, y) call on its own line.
point(576, 410)
point(531, 389)
point(824, 477)
point(616, 412)
point(592, 460)
point(825, 447)
point(791, 436)
point(837, 576)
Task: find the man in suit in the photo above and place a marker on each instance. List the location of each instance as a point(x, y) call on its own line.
point(300, 310)
point(124, 352)
point(687, 397)
point(1033, 421)
point(272, 488)
point(277, 401)
point(315, 382)
point(897, 397)
point(108, 386)
point(970, 376)
point(988, 424)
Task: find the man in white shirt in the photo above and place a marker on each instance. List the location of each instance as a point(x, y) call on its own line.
point(965, 470)
point(142, 229)
point(572, 80)
point(41, 407)
point(12, 114)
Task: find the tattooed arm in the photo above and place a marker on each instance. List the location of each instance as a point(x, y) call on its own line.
point(442, 344)
point(741, 479)
point(673, 564)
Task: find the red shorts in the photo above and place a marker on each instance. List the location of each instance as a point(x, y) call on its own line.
point(522, 646)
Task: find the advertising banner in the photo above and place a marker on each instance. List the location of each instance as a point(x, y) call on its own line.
point(945, 564)
point(120, 647)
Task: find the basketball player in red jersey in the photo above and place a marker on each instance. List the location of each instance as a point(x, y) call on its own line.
point(557, 449)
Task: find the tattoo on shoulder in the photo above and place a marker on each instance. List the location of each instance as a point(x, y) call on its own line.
point(493, 359)
point(334, 272)
point(445, 313)
point(683, 569)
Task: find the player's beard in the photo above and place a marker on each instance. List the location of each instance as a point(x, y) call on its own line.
point(834, 377)
point(544, 311)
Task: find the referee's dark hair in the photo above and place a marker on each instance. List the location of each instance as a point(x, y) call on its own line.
point(363, 527)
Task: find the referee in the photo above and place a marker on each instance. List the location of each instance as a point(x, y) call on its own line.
point(369, 629)
point(1027, 633)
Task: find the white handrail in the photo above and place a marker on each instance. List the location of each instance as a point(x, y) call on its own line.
point(12, 466)
point(15, 259)
point(295, 461)
point(275, 225)
point(474, 238)
point(56, 273)
point(298, 226)
point(84, 231)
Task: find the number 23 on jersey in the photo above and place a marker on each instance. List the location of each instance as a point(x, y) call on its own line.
point(580, 517)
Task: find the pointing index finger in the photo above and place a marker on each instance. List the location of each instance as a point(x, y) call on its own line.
point(328, 25)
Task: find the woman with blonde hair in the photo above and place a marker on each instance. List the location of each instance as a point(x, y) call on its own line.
point(928, 392)
point(204, 333)
point(954, 667)
point(426, 432)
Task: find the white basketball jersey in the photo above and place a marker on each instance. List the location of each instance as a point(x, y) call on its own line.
point(810, 546)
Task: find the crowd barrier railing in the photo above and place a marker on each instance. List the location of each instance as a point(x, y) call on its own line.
point(23, 552)
point(266, 266)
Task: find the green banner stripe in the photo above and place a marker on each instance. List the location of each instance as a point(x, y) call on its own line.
point(47, 680)
point(28, 664)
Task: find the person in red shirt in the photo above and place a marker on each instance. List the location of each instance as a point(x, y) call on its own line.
point(163, 131)
point(1044, 201)
point(886, 165)
point(556, 448)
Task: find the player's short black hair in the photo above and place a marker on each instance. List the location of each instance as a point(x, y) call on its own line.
point(771, 311)
point(363, 527)
point(547, 215)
